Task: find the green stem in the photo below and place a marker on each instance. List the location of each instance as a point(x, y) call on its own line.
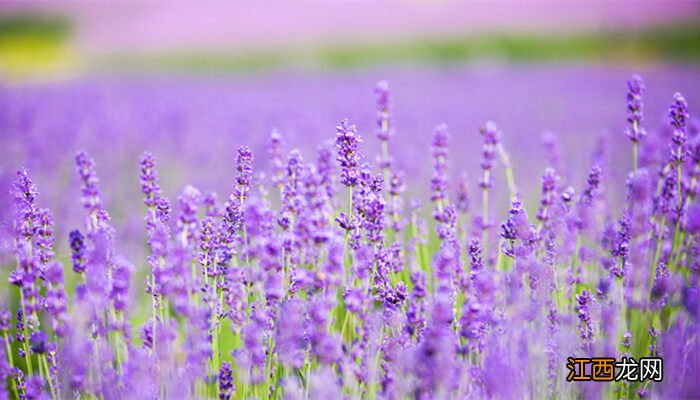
point(154, 305)
point(42, 360)
point(485, 211)
point(679, 189)
point(25, 330)
point(346, 254)
point(10, 359)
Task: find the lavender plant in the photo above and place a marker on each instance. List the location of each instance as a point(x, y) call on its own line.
point(294, 288)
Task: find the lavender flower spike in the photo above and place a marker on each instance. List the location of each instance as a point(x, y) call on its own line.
point(346, 142)
point(91, 197)
point(384, 128)
point(158, 205)
point(274, 149)
point(489, 152)
point(439, 180)
point(77, 246)
point(635, 108)
point(25, 197)
point(679, 116)
point(245, 171)
point(678, 112)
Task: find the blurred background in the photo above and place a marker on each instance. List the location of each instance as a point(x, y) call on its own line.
point(50, 38)
point(192, 81)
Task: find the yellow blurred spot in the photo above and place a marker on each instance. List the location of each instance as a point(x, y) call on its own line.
point(33, 47)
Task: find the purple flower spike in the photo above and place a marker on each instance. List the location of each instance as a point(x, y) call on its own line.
point(439, 180)
point(38, 342)
point(463, 201)
point(274, 149)
point(158, 205)
point(25, 197)
point(585, 328)
point(678, 112)
point(550, 180)
point(245, 171)
point(45, 238)
point(347, 142)
point(91, 197)
point(593, 182)
point(77, 246)
point(226, 387)
point(476, 262)
point(383, 94)
point(635, 108)
point(678, 115)
point(489, 149)
point(189, 200)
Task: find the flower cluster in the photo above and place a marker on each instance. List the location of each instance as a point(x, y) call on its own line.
point(262, 295)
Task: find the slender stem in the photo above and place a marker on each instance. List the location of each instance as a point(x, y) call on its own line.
point(346, 254)
point(25, 342)
point(679, 188)
point(485, 210)
point(42, 360)
point(10, 359)
point(385, 160)
point(155, 311)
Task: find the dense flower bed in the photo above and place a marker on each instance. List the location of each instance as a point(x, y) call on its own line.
point(320, 277)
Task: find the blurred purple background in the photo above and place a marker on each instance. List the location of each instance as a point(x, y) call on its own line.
point(195, 122)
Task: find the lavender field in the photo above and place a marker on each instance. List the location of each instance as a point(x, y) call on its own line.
point(453, 232)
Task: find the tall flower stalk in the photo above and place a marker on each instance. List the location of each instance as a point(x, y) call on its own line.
point(635, 115)
point(347, 142)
